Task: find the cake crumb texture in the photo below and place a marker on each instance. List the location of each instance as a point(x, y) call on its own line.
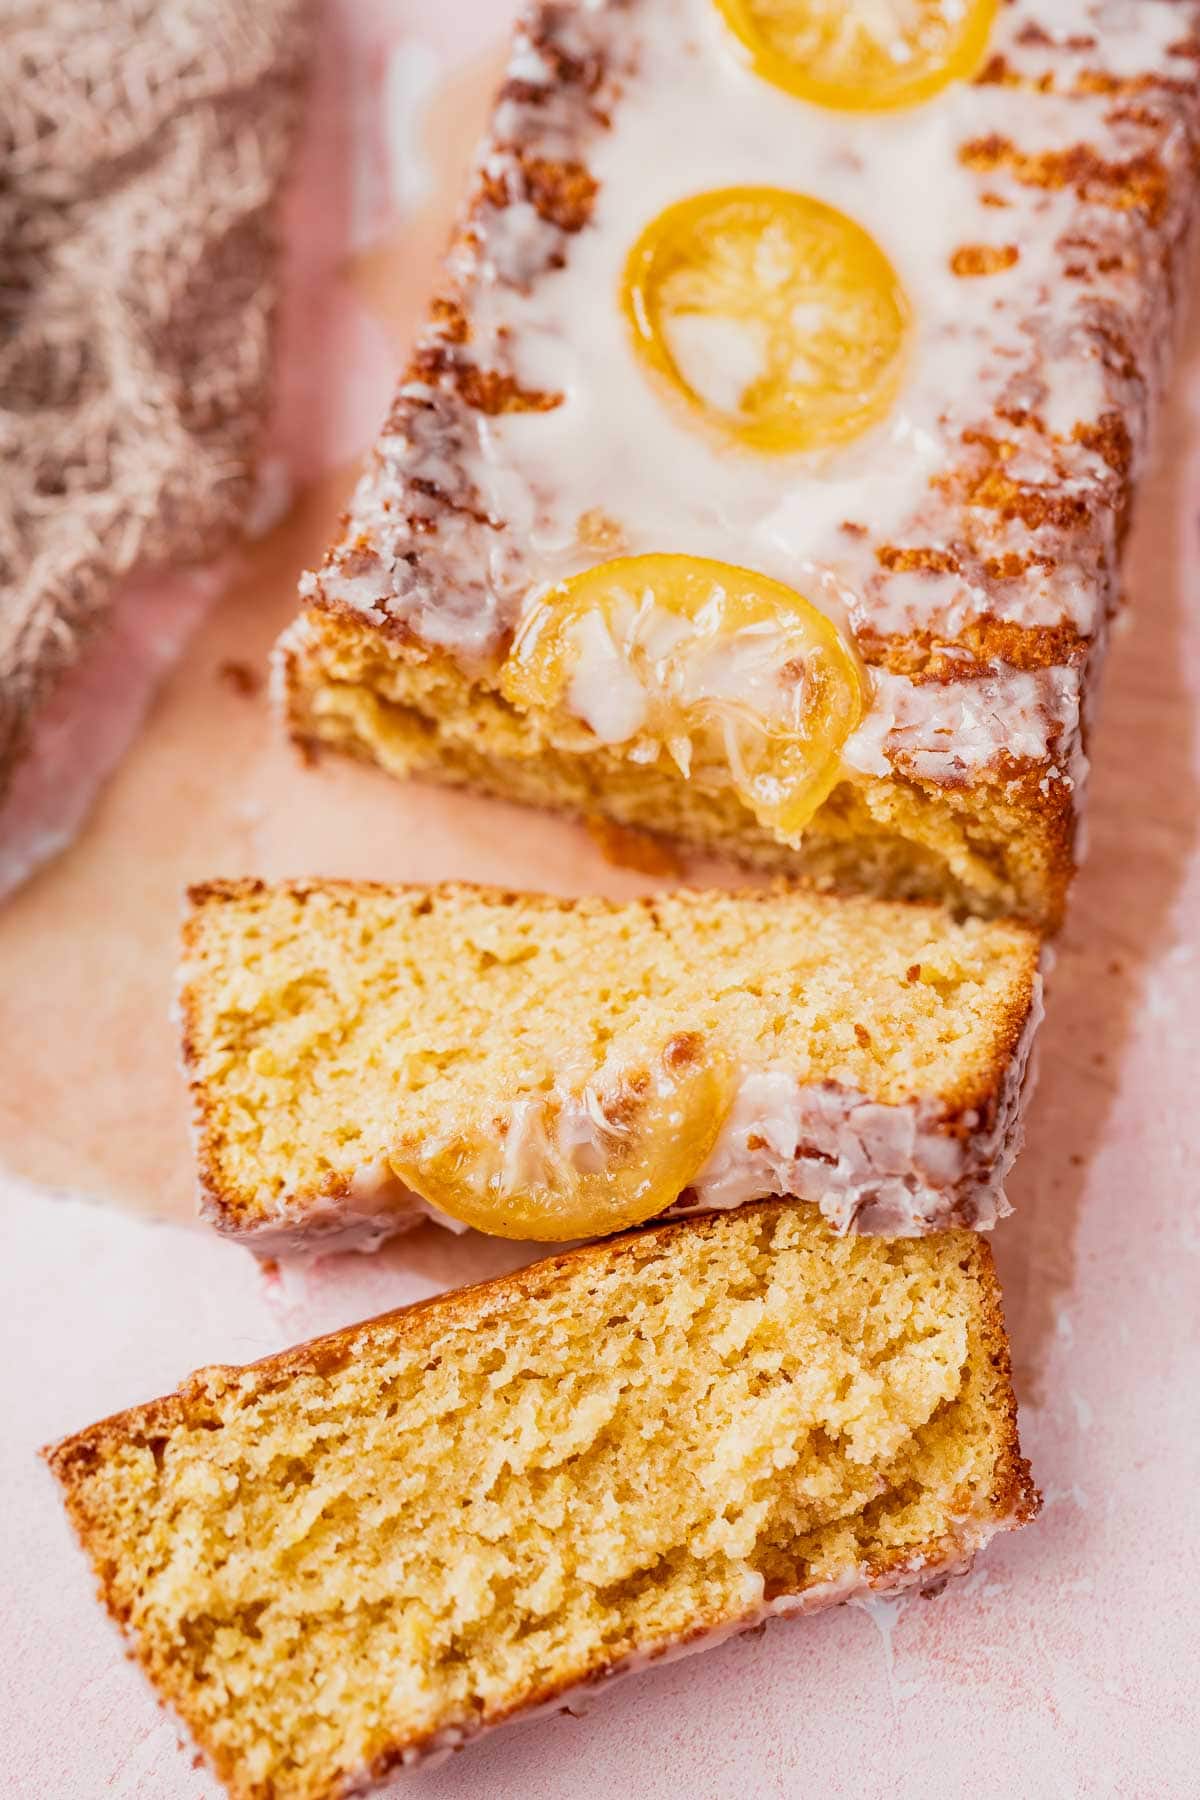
point(399, 1535)
point(323, 1021)
point(1000, 845)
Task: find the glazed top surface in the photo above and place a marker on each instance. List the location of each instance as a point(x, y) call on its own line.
point(969, 542)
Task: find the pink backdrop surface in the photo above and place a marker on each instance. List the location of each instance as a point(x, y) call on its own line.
point(1064, 1665)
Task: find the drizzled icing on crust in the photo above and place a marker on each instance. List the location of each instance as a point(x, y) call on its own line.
point(971, 543)
point(893, 1170)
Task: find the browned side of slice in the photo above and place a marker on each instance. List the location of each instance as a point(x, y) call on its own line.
point(376, 1545)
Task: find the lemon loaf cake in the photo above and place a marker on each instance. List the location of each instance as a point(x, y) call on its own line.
point(762, 472)
point(545, 1068)
point(371, 1548)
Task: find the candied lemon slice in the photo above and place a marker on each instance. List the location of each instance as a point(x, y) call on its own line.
point(581, 1164)
point(720, 667)
point(862, 55)
point(777, 318)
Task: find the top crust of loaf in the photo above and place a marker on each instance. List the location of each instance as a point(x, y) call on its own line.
point(1011, 555)
point(985, 602)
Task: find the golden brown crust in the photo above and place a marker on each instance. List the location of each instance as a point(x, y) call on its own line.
point(999, 72)
point(1138, 182)
point(562, 191)
point(1012, 1500)
point(928, 657)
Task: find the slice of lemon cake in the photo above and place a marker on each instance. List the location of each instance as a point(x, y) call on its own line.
point(762, 472)
point(371, 1548)
point(555, 1069)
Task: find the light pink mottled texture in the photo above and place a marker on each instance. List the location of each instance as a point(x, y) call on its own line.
point(95, 714)
point(1065, 1666)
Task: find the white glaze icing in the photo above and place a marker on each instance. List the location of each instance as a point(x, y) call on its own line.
point(1030, 713)
point(374, 1206)
point(1019, 354)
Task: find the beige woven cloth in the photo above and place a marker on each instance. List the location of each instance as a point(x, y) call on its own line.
point(142, 147)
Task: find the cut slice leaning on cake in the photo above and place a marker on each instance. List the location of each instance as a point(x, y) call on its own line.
point(373, 1547)
point(361, 1056)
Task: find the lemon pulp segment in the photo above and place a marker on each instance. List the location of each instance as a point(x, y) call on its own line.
point(720, 667)
point(778, 319)
point(558, 1167)
point(862, 55)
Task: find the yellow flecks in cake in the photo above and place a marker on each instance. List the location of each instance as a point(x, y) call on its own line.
point(328, 1023)
point(776, 318)
point(862, 55)
point(428, 1521)
point(604, 1155)
point(712, 665)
